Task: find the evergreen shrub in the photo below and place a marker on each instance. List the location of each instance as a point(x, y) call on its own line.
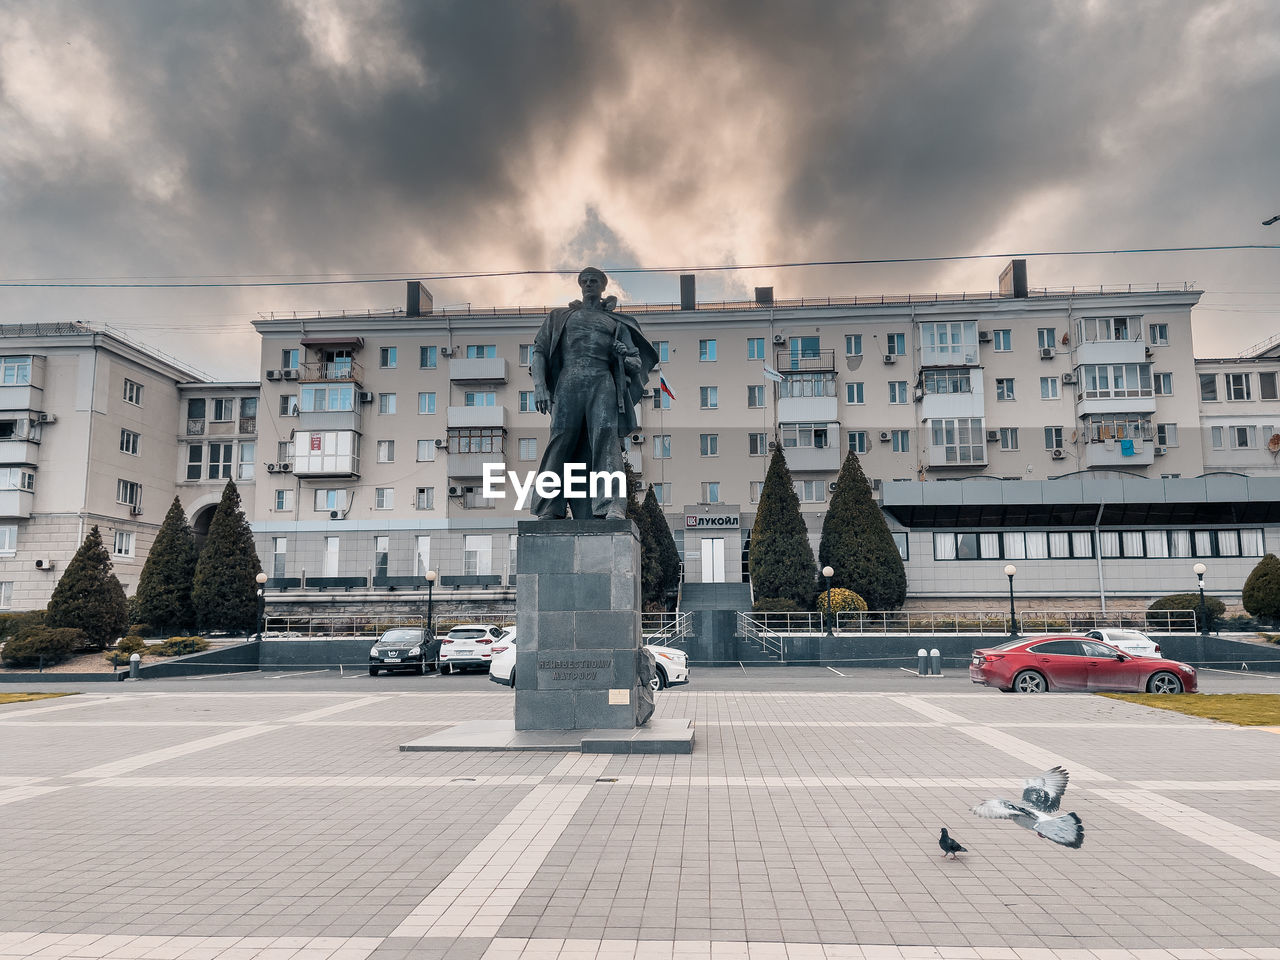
point(53, 644)
point(1261, 594)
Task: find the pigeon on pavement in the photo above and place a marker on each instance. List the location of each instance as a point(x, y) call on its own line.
point(949, 845)
point(1041, 797)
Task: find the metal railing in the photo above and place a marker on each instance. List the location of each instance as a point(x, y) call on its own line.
point(665, 629)
point(770, 641)
point(797, 623)
point(306, 627)
point(984, 622)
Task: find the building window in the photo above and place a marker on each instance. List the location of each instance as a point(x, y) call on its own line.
point(1208, 386)
point(757, 444)
point(279, 550)
point(426, 451)
point(481, 351)
point(1004, 388)
point(331, 546)
point(1048, 388)
point(477, 555)
point(808, 385)
point(476, 440)
point(127, 492)
point(284, 501)
point(288, 405)
point(480, 398)
point(855, 392)
point(224, 410)
point(328, 500)
point(324, 399)
point(526, 402)
point(528, 448)
point(129, 442)
point(664, 350)
point(961, 440)
point(662, 446)
point(1096, 329)
point(663, 492)
point(123, 544)
point(803, 435)
point(810, 491)
point(195, 461)
point(948, 381)
point(6, 594)
point(853, 345)
point(1002, 340)
point(709, 397)
point(1267, 386)
point(1163, 384)
point(132, 392)
point(381, 556)
point(1243, 438)
point(660, 400)
point(897, 391)
point(386, 403)
point(709, 444)
point(387, 358)
point(710, 492)
point(949, 342)
point(15, 478)
point(706, 350)
point(858, 441)
point(756, 488)
point(526, 353)
point(1014, 545)
point(755, 348)
point(8, 538)
point(1117, 380)
point(284, 451)
point(15, 371)
point(896, 345)
point(384, 498)
point(219, 461)
point(427, 358)
point(1053, 438)
point(755, 396)
point(901, 441)
point(289, 359)
point(1047, 338)
point(1159, 334)
point(1167, 434)
point(1217, 438)
point(1008, 438)
point(246, 467)
point(1100, 427)
point(386, 451)
point(1237, 385)
point(424, 498)
point(427, 402)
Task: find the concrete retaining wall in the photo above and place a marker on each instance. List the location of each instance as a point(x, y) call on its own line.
point(239, 658)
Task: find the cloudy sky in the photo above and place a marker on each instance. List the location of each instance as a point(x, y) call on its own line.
point(243, 140)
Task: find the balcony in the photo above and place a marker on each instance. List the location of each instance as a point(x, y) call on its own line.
point(15, 452)
point(807, 409)
point(808, 360)
point(495, 416)
point(328, 454)
point(466, 466)
point(1111, 453)
point(1110, 351)
point(318, 371)
point(478, 369)
point(330, 420)
point(812, 459)
point(966, 456)
point(16, 504)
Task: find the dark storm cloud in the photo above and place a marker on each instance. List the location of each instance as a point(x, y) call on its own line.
point(153, 138)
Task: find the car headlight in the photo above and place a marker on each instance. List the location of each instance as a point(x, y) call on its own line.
point(673, 657)
point(373, 651)
point(415, 651)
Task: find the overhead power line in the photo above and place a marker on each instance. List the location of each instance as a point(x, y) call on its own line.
point(349, 279)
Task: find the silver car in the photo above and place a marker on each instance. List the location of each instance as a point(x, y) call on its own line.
point(1130, 641)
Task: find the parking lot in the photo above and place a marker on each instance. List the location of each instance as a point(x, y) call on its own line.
point(273, 815)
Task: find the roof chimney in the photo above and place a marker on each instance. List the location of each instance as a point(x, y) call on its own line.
point(764, 296)
point(418, 300)
point(1013, 279)
point(688, 297)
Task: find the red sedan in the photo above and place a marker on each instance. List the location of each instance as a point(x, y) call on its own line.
point(1037, 664)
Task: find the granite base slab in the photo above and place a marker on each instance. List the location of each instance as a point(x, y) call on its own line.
point(657, 736)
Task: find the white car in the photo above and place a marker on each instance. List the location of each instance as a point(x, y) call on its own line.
point(1130, 641)
point(468, 645)
point(673, 664)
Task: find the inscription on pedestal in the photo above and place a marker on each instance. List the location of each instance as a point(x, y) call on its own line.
point(574, 669)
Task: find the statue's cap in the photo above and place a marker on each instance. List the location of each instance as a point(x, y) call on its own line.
point(596, 270)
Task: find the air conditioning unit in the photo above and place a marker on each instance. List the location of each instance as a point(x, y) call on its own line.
point(1058, 453)
point(455, 491)
point(273, 374)
point(1150, 353)
point(832, 486)
point(1046, 353)
point(993, 436)
point(890, 358)
point(335, 514)
point(289, 374)
point(286, 467)
point(779, 338)
point(1068, 378)
point(919, 394)
point(136, 510)
point(885, 436)
point(876, 484)
point(366, 396)
point(1161, 451)
point(44, 564)
point(637, 438)
point(46, 418)
point(272, 467)
point(446, 351)
point(441, 444)
point(773, 445)
point(984, 336)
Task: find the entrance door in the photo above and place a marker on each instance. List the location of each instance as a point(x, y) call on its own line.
point(713, 560)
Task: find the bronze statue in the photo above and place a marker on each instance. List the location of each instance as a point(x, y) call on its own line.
point(590, 365)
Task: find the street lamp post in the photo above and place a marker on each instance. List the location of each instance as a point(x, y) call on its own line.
point(261, 579)
point(828, 572)
point(429, 635)
point(1009, 571)
point(1199, 570)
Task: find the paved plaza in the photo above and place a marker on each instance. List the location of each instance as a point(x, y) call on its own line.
point(275, 817)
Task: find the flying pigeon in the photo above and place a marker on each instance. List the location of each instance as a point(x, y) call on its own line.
point(949, 845)
point(1041, 796)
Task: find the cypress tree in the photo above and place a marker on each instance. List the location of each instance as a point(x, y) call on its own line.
point(781, 560)
point(88, 596)
point(224, 592)
point(164, 587)
point(857, 545)
point(650, 570)
point(1261, 595)
point(668, 555)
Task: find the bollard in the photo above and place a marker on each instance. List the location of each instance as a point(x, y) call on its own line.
point(922, 666)
point(134, 662)
point(935, 662)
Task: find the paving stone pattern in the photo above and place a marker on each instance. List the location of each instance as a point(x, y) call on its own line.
point(283, 825)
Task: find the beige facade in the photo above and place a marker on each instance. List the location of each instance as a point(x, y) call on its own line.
point(1239, 411)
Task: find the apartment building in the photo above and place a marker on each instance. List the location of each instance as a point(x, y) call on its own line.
point(382, 426)
point(88, 428)
point(1239, 410)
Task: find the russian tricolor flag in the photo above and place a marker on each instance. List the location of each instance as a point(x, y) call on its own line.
point(662, 385)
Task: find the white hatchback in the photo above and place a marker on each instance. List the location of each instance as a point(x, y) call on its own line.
point(673, 664)
point(1130, 641)
point(468, 645)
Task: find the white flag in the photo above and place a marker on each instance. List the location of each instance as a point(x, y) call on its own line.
point(772, 374)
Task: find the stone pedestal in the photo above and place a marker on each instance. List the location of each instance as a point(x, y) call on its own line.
point(578, 625)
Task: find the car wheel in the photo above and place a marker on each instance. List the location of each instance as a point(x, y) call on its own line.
point(659, 681)
point(1030, 681)
point(446, 668)
point(373, 671)
point(420, 669)
point(1164, 682)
